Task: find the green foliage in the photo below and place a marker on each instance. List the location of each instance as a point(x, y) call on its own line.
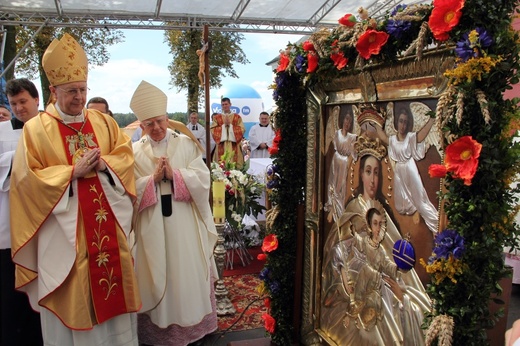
point(185, 65)
point(483, 212)
point(291, 119)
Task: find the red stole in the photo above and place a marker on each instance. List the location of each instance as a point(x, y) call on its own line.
point(100, 226)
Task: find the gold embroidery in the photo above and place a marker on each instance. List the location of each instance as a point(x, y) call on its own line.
point(100, 237)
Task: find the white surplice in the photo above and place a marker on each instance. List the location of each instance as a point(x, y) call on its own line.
point(259, 135)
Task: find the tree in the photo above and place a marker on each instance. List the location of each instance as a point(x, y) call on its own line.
point(93, 41)
point(225, 49)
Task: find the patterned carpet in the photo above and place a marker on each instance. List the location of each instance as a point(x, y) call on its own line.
point(243, 295)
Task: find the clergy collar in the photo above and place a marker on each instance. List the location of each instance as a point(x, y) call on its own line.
point(263, 125)
point(163, 141)
point(67, 118)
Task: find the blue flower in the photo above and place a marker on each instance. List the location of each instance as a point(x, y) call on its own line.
point(274, 286)
point(446, 243)
point(472, 43)
point(397, 28)
point(272, 169)
point(264, 274)
point(398, 8)
point(272, 184)
point(299, 62)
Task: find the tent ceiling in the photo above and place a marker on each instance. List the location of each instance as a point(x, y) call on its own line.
point(276, 16)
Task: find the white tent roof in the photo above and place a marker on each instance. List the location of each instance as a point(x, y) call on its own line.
point(277, 16)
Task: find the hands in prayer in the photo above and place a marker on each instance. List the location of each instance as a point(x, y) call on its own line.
point(89, 161)
point(163, 170)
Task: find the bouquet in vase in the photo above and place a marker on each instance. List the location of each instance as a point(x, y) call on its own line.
point(243, 190)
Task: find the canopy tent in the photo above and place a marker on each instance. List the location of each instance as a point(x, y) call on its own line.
point(276, 16)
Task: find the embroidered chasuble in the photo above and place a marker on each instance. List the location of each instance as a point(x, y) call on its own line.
point(72, 254)
point(228, 138)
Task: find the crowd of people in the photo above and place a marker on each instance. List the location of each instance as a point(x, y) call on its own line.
point(104, 241)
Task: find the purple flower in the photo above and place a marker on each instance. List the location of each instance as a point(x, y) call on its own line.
point(398, 8)
point(272, 184)
point(299, 62)
point(447, 243)
point(264, 274)
point(271, 169)
point(397, 28)
point(280, 80)
point(472, 43)
point(274, 286)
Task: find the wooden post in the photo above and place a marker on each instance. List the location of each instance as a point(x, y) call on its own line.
point(207, 45)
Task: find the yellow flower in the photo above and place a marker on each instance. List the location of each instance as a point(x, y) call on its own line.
point(261, 289)
point(473, 69)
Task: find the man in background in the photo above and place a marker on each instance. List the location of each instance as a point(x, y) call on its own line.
point(100, 104)
point(19, 322)
point(70, 245)
point(228, 131)
point(261, 137)
point(199, 132)
point(5, 114)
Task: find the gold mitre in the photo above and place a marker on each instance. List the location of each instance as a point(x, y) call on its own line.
point(148, 101)
point(369, 146)
point(65, 61)
point(369, 113)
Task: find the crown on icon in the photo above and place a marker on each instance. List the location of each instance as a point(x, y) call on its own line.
point(369, 146)
point(369, 113)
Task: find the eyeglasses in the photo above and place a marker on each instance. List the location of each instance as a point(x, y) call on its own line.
point(75, 91)
point(151, 124)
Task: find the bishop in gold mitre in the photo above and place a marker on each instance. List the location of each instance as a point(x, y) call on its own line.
point(70, 245)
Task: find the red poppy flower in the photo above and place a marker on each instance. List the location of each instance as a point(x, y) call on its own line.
point(462, 158)
point(276, 141)
point(339, 60)
point(261, 257)
point(308, 46)
point(283, 63)
point(348, 20)
point(444, 17)
point(270, 243)
point(437, 171)
point(370, 43)
point(312, 62)
point(269, 322)
point(267, 302)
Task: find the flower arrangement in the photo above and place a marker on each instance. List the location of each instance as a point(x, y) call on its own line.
point(481, 158)
point(269, 245)
point(445, 261)
point(242, 190)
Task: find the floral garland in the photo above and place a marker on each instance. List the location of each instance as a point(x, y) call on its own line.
point(481, 158)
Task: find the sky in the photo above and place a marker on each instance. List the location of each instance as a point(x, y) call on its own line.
point(145, 56)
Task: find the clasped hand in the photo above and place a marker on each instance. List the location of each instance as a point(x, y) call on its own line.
point(89, 161)
point(163, 170)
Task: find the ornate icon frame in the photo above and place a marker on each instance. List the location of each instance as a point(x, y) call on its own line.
point(407, 80)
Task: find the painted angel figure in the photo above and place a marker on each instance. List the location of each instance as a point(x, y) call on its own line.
point(409, 136)
point(343, 141)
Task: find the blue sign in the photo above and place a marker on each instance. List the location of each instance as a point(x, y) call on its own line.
point(246, 110)
point(217, 108)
